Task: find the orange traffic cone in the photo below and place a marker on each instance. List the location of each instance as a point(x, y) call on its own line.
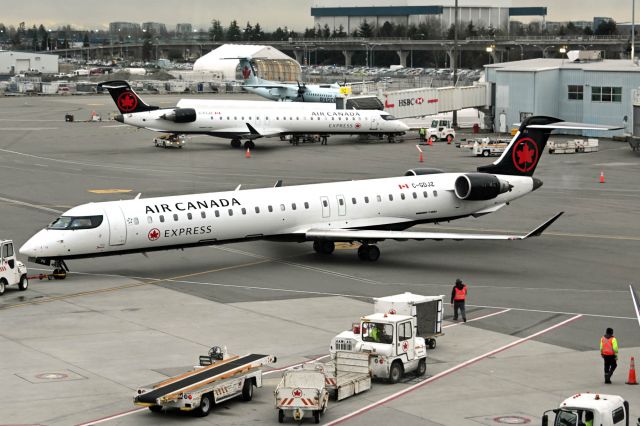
point(631, 380)
point(601, 176)
point(421, 158)
point(247, 154)
point(430, 142)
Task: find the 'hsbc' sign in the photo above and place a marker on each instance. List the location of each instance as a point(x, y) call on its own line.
point(410, 101)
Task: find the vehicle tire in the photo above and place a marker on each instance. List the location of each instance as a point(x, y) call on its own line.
point(24, 283)
point(280, 416)
point(395, 373)
point(155, 408)
point(205, 405)
point(3, 286)
point(247, 390)
point(449, 138)
point(422, 367)
point(431, 343)
point(485, 153)
point(316, 416)
point(373, 253)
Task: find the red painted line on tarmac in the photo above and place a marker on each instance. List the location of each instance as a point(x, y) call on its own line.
point(449, 371)
point(479, 318)
point(113, 417)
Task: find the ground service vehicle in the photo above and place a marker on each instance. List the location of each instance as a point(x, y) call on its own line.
point(440, 130)
point(302, 392)
point(486, 147)
point(604, 410)
point(391, 342)
point(12, 271)
point(218, 378)
point(427, 310)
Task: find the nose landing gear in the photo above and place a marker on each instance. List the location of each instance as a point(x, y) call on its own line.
point(60, 270)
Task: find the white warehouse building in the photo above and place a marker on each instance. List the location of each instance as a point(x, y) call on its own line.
point(598, 92)
point(12, 63)
point(483, 13)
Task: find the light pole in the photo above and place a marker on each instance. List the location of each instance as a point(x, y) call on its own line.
point(455, 59)
point(633, 29)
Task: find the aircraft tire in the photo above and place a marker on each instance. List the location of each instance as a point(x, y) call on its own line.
point(373, 253)
point(327, 247)
point(363, 252)
point(236, 143)
point(249, 145)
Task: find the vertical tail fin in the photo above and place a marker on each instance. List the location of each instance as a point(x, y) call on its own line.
point(125, 98)
point(523, 153)
point(248, 71)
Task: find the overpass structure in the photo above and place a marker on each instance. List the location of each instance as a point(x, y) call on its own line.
point(302, 48)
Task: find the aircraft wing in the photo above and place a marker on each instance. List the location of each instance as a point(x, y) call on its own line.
point(267, 86)
point(379, 235)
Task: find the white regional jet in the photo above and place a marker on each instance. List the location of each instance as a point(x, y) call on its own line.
point(365, 211)
point(248, 120)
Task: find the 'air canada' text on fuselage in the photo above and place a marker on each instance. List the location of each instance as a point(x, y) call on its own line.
point(189, 205)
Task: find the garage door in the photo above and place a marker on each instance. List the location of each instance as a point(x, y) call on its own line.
point(22, 65)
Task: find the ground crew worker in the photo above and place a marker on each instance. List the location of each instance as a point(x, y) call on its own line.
point(609, 352)
point(458, 297)
point(421, 132)
point(588, 418)
point(375, 333)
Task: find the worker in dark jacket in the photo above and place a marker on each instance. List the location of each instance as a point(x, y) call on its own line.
point(609, 352)
point(458, 297)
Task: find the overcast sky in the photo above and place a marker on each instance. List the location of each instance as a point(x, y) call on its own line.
point(92, 14)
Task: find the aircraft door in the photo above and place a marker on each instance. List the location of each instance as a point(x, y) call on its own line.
point(117, 225)
point(374, 124)
point(342, 205)
point(502, 122)
point(326, 208)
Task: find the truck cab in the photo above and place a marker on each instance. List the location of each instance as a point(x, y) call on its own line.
point(440, 130)
point(12, 271)
point(601, 409)
point(392, 344)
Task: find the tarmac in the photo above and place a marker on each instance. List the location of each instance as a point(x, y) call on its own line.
point(76, 350)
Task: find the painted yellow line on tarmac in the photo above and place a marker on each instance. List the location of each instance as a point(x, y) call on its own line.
point(109, 191)
point(151, 281)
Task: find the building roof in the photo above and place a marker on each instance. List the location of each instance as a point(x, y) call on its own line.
point(225, 58)
point(545, 64)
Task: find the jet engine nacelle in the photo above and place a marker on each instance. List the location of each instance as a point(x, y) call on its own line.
point(479, 186)
point(181, 115)
point(422, 171)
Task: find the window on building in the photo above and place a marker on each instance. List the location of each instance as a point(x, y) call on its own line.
point(575, 92)
point(606, 94)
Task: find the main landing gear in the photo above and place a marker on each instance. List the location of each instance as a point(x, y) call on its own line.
point(366, 252)
point(237, 143)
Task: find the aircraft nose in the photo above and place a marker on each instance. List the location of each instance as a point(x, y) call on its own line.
point(119, 118)
point(34, 246)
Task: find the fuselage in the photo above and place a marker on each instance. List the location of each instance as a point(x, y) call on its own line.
point(312, 93)
point(283, 213)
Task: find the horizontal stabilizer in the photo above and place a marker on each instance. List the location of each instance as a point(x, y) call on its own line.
point(379, 235)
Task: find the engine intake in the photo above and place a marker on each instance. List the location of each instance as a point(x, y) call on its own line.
point(479, 186)
point(181, 115)
point(422, 171)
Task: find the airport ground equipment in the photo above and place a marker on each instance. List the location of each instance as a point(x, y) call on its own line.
point(169, 141)
point(12, 271)
point(427, 310)
point(440, 130)
point(391, 342)
point(634, 143)
point(302, 393)
point(218, 378)
point(573, 146)
point(607, 410)
point(485, 147)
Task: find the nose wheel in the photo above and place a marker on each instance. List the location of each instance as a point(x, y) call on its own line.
point(60, 270)
point(368, 252)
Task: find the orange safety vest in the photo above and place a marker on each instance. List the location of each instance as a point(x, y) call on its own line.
point(607, 346)
point(460, 294)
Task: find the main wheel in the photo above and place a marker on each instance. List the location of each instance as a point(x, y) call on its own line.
point(155, 408)
point(422, 367)
point(316, 246)
point(247, 390)
point(316, 416)
point(327, 247)
point(249, 145)
point(395, 374)
point(205, 406)
point(3, 286)
point(363, 252)
point(236, 143)
point(280, 416)
point(24, 283)
point(373, 253)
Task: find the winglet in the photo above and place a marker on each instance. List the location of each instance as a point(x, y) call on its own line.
point(253, 130)
point(540, 229)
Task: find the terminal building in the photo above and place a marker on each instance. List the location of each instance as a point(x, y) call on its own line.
point(483, 13)
point(591, 91)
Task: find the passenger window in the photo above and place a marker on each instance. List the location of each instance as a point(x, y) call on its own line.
point(435, 193)
point(425, 194)
point(390, 197)
point(379, 198)
point(282, 207)
point(257, 209)
point(415, 195)
point(203, 214)
point(366, 200)
point(189, 216)
point(149, 219)
point(270, 209)
point(306, 205)
point(162, 218)
point(341, 201)
point(293, 206)
point(353, 200)
point(217, 213)
point(136, 221)
point(243, 210)
point(402, 195)
point(230, 212)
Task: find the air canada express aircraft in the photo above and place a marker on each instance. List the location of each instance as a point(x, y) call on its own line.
point(364, 211)
point(248, 120)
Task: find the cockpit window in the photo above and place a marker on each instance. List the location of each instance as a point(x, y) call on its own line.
point(388, 117)
point(79, 222)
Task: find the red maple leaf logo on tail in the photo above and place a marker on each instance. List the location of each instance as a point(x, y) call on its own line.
point(127, 102)
point(246, 72)
point(525, 155)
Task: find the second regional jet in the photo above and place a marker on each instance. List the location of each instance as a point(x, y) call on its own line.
point(364, 211)
point(248, 120)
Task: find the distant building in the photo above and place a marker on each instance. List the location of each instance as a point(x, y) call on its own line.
point(13, 63)
point(350, 14)
point(271, 65)
point(598, 92)
point(124, 28)
point(597, 20)
point(184, 28)
point(154, 27)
